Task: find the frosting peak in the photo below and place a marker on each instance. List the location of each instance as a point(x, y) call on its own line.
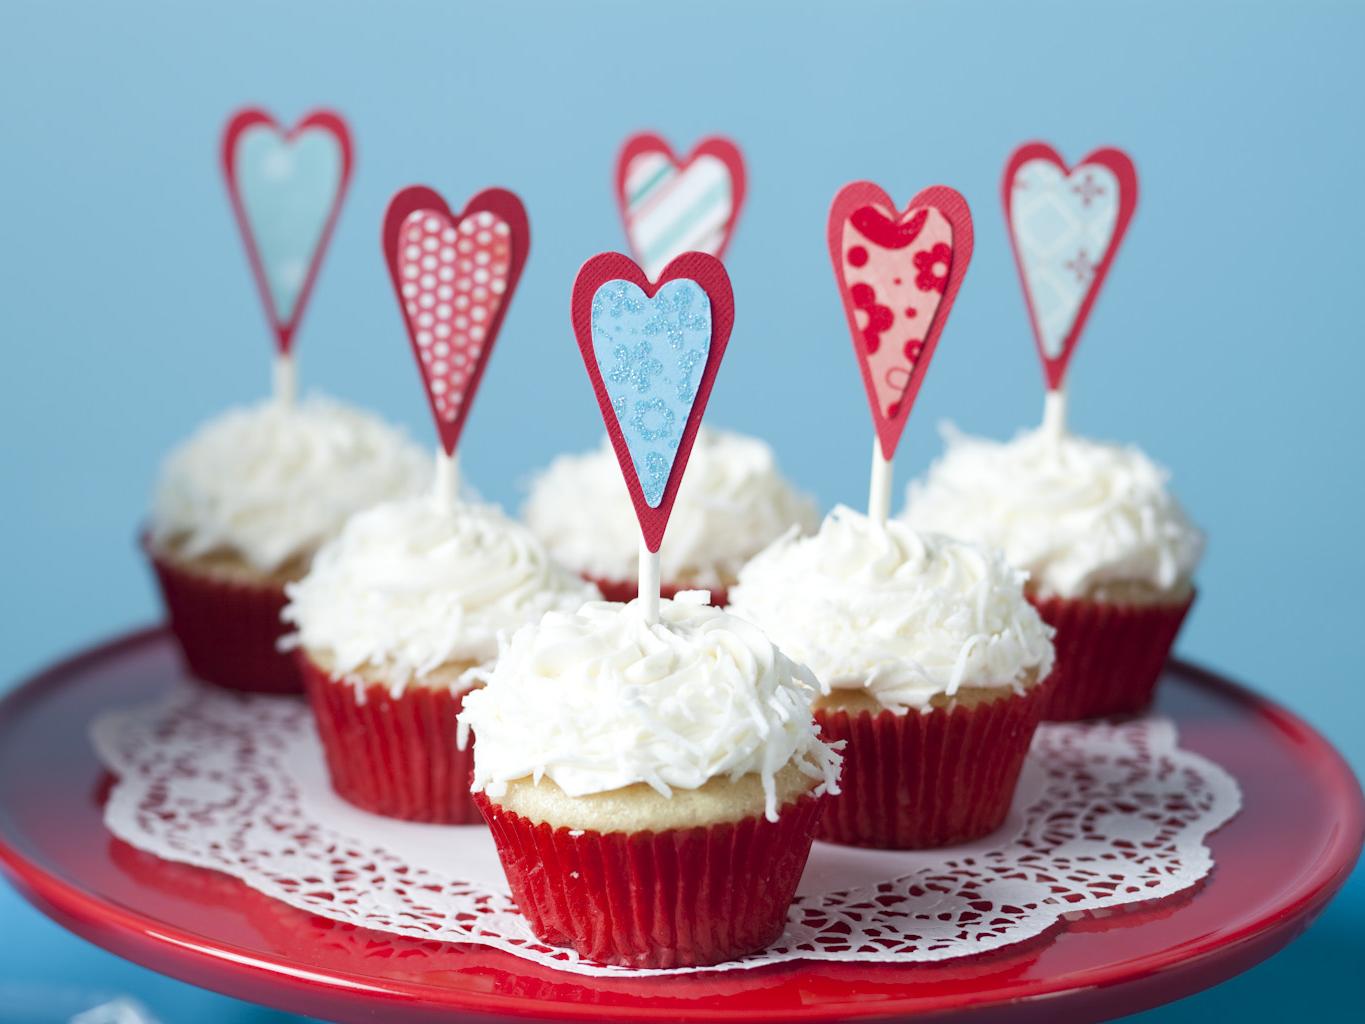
point(1077, 515)
point(600, 699)
point(906, 616)
point(410, 586)
point(272, 482)
point(731, 503)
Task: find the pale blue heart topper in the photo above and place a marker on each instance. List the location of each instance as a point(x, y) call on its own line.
point(288, 188)
point(651, 353)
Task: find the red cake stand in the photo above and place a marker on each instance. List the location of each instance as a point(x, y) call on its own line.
point(1277, 864)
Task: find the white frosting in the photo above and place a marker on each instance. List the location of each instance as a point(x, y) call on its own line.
point(272, 482)
point(904, 615)
point(600, 699)
point(1074, 514)
point(732, 502)
point(412, 585)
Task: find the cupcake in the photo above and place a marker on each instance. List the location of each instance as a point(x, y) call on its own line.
point(1110, 554)
point(731, 504)
point(934, 667)
point(241, 508)
point(397, 620)
point(652, 789)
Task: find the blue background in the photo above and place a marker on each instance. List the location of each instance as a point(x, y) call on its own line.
point(1228, 342)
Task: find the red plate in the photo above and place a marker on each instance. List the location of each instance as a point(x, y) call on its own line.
point(1278, 863)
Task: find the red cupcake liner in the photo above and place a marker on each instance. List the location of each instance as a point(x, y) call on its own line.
point(679, 898)
point(921, 780)
point(625, 591)
point(394, 756)
point(1109, 656)
point(228, 631)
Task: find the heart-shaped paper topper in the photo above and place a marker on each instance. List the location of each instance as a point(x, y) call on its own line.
point(454, 276)
point(1065, 226)
point(898, 274)
point(673, 206)
point(286, 187)
point(652, 350)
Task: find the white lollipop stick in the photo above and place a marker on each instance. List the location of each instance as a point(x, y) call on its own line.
point(879, 489)
point(446, 479)
point(1054, 412)
point(649, 582)
point(286, 379)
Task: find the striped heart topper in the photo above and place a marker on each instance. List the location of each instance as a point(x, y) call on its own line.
point(286, 187)
point(673, 206)
point(898, 275)
point(1065, 227)
point(652, 350)
point(454, 276)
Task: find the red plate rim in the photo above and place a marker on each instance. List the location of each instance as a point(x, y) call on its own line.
point(1186, 969)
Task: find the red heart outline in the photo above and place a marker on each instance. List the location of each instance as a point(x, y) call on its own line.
point(1121, 166)
point(724, 150)
point(251, 117)
point(948, 202)
point(501, 203)
point(709, 273)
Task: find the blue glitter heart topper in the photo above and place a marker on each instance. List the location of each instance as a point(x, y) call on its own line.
point(652, 351)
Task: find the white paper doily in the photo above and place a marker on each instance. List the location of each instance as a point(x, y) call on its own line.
point(1106, 815)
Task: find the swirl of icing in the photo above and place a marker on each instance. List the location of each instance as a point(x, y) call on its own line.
point(272, 482)
point(905, 616)
point(410, 586)
point(599, 699)
point(732, 502)
point(1080, 517)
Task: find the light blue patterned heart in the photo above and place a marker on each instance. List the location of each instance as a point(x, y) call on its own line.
point(651, 354)
point(1063, 227)
point(288, 187)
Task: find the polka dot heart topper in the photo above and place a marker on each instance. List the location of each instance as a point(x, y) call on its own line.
point(652, 349)
point(671, 206)
point(1065, 225)
point(898, 274)
point(454, 276)
point(286, 188)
